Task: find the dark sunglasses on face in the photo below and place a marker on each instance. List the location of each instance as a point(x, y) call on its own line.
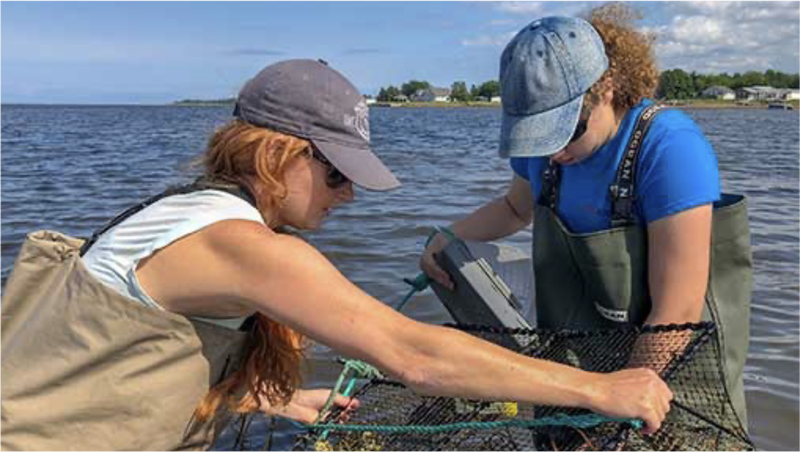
point(335, 178)
point(580, 129)
point(583, 121)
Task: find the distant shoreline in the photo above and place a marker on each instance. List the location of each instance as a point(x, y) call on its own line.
point(204, 103)
point(688, 104)
point(725, 104)
point(475, 104)
point(698, 104)
point(691, 103)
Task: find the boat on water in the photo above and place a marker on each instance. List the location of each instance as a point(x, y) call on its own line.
point(780, 106)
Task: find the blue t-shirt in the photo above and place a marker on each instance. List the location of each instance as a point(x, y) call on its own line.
point(677, 170)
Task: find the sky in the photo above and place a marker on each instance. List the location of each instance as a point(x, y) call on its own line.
point(160, 52)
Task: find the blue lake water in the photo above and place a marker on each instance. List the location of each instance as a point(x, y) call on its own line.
point(71, 168)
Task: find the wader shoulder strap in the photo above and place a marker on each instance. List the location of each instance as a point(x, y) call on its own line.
point(551, 177)
point(623, 189)
point(201, 183)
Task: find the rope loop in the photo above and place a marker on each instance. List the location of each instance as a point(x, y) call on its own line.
point(440, 230)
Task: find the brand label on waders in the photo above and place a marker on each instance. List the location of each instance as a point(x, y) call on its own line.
point(615, 315)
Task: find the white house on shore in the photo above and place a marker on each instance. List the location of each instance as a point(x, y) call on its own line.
point(766, 93)
point(718, 92)
point(432, 95)
point(749, 93)
point(494, 99)
point(791, 94)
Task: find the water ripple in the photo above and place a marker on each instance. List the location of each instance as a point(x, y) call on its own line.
point(72, 168)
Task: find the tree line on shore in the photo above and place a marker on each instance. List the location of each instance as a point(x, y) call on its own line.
point(458, 90)
point(672, 84)
point(678, 84)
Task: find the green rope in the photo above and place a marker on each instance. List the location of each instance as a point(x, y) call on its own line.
point(361, 369)
point(422, 281)
point(417, 284)
point(444, 230)
point(578, 421)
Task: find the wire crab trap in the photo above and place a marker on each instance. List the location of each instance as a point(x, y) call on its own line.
point(702, 417)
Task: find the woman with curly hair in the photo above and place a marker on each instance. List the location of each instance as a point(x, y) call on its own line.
point(623, 196)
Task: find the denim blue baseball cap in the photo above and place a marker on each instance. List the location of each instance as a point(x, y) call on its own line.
point(544, 73)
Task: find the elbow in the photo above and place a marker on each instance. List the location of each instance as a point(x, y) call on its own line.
point(417, 368)
point(520, 217)
point(423, 380)
point(416, 379)
point(417, 373)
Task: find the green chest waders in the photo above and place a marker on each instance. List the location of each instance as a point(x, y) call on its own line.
point(599, 280)
point(86, 368)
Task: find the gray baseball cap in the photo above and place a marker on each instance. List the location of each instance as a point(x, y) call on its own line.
point(544, 73)
point(310, 100)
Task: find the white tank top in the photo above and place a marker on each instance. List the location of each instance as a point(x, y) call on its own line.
point(113, 259)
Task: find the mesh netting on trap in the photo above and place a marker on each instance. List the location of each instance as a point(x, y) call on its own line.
point(392, 417)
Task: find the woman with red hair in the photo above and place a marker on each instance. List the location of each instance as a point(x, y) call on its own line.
point(195, 303)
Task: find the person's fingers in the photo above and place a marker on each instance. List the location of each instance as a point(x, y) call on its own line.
point(429, 266)
point(443, 278)
point(354, 404)
point(429, 263)
point(647, 396)
point(350, 408)
point(658, 397)
point(665, 406)
point(345, 402)
point(661, 405)
point(651, 423)
point(664, 397)
point(340, 400)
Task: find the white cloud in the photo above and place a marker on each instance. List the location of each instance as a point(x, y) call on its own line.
point(524, 13)
point(520, 7)
point(701, 5)
point(698, 29)
point(729, 36)
point(701, 36)
point(528, 7)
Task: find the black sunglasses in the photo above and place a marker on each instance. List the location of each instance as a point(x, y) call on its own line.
point(580, 129)
point(583, 121)
point(335, 177)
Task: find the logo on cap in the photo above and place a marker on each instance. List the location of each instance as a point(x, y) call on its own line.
point(360, 120)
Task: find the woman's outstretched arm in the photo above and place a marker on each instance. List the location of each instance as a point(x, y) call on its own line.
point(291, 282)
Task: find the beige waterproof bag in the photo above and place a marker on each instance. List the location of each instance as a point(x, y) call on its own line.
point(85, 368)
